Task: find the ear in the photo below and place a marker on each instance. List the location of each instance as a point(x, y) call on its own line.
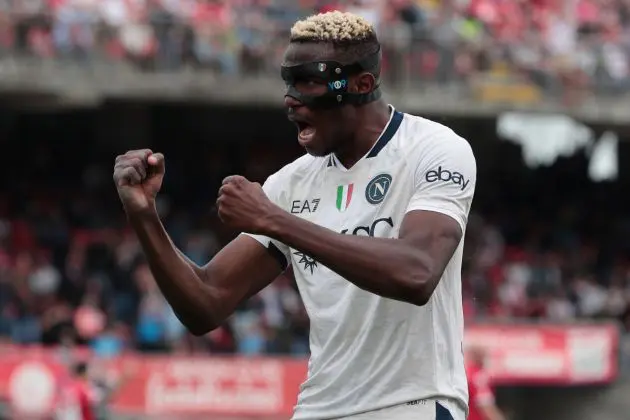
point(362, 83)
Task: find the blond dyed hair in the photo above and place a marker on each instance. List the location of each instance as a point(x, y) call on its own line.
point(335, 27)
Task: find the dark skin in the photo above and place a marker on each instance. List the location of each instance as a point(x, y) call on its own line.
point(361, 126)
point(407, 268)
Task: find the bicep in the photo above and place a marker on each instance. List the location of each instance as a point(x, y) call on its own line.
point(444, 182)
point(433, 235)
point(240, 270)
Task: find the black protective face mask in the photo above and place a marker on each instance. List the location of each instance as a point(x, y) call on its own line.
point(335, 75)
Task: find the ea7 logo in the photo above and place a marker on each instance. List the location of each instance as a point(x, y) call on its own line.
point(445, 175)
point(301, 206)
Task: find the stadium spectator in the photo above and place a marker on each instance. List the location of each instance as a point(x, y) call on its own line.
point(569, 47)
point(481, 397)
point(67, 264)
point(77, 396)
point(75, 269)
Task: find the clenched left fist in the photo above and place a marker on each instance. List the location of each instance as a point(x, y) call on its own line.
point(244, 206)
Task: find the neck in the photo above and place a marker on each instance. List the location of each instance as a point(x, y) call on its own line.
point(370, 121)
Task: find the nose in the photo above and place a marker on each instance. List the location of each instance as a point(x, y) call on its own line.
point(291, 102)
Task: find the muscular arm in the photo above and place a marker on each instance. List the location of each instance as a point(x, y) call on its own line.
point(407, 268)
point(203, 297)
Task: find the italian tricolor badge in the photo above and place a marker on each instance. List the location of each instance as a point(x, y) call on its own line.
point(344, 195)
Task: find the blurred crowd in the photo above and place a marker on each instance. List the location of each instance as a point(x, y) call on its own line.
point(60, 284)
point(549, 43)
point(555, 275)
point(72, 272)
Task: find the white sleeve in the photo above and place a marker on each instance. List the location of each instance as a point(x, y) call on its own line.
point(272, 187)
point(445, 177)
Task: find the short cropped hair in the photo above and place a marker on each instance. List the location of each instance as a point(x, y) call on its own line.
point(336, 27)
point(352, 37)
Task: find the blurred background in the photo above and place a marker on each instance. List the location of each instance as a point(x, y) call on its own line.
point(540, 88)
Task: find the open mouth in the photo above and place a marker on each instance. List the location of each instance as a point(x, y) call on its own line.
point(306, 131)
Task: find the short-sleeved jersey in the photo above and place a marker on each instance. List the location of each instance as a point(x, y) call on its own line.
point(480, 393)
point(367, 351)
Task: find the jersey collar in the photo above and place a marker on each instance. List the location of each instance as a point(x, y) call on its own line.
point(395, 119)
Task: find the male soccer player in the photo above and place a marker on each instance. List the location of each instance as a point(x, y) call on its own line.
point(77, 399)
point(372, 220)
point(482, 405)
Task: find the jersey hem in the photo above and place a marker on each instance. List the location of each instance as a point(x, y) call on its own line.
point(337, 416)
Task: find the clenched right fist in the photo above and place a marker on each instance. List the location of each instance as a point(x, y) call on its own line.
point(138, 176)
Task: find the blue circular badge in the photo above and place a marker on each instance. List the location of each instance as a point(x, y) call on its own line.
point(377, 188)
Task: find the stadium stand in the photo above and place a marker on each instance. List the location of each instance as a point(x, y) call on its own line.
point(547, 249)
point(530, 46)
point(69, 266)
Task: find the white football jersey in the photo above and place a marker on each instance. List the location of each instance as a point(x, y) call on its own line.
point(369, 352)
